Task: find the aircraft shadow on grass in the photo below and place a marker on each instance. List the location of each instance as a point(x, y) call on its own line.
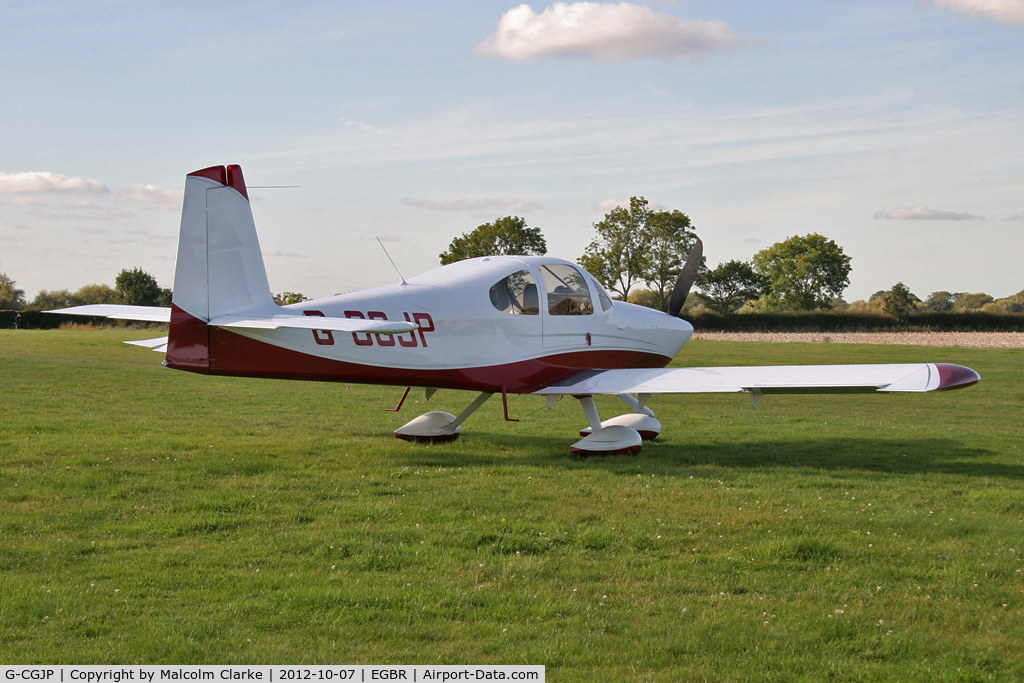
point(876, 455)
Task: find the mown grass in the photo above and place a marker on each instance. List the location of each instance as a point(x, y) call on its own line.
point(153, 516)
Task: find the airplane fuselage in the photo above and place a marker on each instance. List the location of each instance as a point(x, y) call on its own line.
point(469, 314)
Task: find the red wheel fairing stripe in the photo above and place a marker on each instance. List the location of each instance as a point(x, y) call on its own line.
point(630, 450)
point(233, 354)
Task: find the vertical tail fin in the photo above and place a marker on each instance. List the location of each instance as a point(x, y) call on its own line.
point(219, 269)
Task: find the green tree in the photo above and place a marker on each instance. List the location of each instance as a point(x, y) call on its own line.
point(1010, 304)
point(136, 287)
point(47, 300)
point(963, 302)
point(726, 288)
point(509, 235)
point(899, 302)
point(11, 298)
point(645, 297)
point(620, 257)
point(95, 294)
point(285, 298)
point(803, 273)
point(671, 240)
point(939, 302)
point(636, 245)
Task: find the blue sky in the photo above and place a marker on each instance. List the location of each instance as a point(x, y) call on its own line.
point(894, 128)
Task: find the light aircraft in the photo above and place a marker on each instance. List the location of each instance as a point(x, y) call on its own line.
point(499, 324)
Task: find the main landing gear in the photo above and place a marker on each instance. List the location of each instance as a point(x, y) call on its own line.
point(437, 426)
point(624, 434)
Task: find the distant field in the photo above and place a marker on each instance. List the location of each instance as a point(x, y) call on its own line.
point(153, 516)
point(981, 340)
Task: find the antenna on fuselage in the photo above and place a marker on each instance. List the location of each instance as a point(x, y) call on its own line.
point(392, 261)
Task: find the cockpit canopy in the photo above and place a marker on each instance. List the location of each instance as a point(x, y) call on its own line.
point(516, 294)
point(568, 293)
point(566, 287)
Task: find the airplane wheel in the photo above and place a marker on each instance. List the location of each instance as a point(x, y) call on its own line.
point(428, 428)
point(645, 425)
point(613, 440)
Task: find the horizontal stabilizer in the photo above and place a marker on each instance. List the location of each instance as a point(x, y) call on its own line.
point(154, 314)
point(314, 323)
point(159, 344)
point(785, 379)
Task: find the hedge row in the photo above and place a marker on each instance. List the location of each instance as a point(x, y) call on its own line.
point(37, 320)
point(828, 321)
point(815, 321)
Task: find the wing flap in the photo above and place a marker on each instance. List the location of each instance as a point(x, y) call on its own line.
point(788, 379)
point(156, 314)
point(314, 323)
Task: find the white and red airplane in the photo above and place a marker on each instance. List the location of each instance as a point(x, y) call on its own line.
point(499, 324)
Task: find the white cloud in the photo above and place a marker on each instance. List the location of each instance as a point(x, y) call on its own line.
point(999, 11)
point(606, 205)
point(602, 31)
point(924, 213)
point(390, 237)
point(508, 204)
point(27, 201)
point(44, 181)
point(751, 240)
point(150, 195)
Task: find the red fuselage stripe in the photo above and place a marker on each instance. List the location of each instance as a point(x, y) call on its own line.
point(236, 355)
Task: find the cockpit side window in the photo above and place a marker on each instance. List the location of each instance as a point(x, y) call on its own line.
point(602, 296)
point(568, 293)
point(516, 294)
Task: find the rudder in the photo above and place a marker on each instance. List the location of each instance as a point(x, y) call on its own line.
point(219, 267)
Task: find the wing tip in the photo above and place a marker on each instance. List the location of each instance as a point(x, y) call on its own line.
point(955, 376)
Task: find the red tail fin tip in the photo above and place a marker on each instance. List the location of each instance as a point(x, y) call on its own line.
point(216, 173)
point(236, 180)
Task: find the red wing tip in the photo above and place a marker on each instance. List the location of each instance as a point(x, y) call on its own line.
point(955, 376)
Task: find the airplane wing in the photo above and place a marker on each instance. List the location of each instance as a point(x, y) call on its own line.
point(782, 379)
point(270, 322)
point(155, 314)
point(159, 344)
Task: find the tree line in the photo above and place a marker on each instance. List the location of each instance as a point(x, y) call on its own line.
point(134, 287)
point(637, 254)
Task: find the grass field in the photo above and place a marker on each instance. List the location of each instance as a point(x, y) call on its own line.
point(154, 516)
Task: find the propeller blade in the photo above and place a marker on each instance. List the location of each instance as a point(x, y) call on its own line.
point(686, 277)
